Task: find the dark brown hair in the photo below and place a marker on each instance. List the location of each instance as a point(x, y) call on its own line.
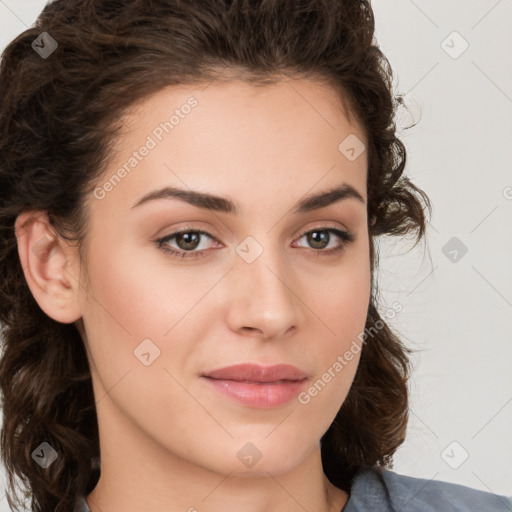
point(59, 117)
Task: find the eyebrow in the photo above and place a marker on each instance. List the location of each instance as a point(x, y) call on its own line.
point(223, 205)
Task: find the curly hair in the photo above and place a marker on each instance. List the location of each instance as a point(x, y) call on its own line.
point(59, 118)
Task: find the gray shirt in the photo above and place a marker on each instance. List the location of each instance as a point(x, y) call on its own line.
point(375, 490)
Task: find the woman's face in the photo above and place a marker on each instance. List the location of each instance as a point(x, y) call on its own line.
point(257, 288)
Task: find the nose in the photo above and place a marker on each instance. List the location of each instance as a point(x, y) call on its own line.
point(263, 299)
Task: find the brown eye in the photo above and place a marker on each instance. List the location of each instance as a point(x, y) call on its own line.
point(319, 239)
point(187, 242)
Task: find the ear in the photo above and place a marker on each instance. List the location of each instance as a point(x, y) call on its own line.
point(50, 265)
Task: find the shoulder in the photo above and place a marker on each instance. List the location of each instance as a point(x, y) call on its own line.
point(387, 491)
point(81, 505)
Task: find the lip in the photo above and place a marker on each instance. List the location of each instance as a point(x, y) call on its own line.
point(256, 373)
point(258, 386)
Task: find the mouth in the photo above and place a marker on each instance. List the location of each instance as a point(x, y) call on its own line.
point(249, 372)
point(258, 386)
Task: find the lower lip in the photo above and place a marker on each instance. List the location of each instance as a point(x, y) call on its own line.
point(259, 394)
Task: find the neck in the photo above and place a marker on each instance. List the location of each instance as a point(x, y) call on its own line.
point(139, 474)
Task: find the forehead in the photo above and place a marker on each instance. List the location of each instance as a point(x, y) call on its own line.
point(286, 138)
point(318, 102)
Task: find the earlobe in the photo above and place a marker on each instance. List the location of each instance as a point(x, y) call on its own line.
point(49, 265)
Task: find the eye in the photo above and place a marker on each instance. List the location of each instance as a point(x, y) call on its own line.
point(318, 238)
point(189, 240)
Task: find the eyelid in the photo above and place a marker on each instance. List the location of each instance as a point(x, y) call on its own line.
point(319, 227)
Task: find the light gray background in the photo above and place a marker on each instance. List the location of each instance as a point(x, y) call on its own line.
point(456, 313)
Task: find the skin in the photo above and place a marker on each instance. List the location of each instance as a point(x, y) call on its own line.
point(168, 441)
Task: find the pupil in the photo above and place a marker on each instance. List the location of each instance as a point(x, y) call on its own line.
point(313, 236)
point(187, 236)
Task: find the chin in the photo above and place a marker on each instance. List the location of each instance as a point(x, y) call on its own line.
point(258, 460)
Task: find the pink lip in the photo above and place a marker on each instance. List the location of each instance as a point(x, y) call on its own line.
point(258, 386)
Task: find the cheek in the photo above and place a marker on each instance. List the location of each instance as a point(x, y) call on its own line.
point(349, 308)
point(343, 301)
point(338, 350)
point(133, 296)
point(343, 310)
point(123, 300)
point(119, 312)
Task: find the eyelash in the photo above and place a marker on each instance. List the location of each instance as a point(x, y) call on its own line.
point(346, 236)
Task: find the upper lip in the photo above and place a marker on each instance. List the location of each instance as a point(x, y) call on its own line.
point(256, 373)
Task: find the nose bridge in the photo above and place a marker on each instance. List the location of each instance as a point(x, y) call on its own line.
point(262, 262)
point(263, 295)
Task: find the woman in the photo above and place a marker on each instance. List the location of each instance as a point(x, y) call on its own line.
point(191, 196)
